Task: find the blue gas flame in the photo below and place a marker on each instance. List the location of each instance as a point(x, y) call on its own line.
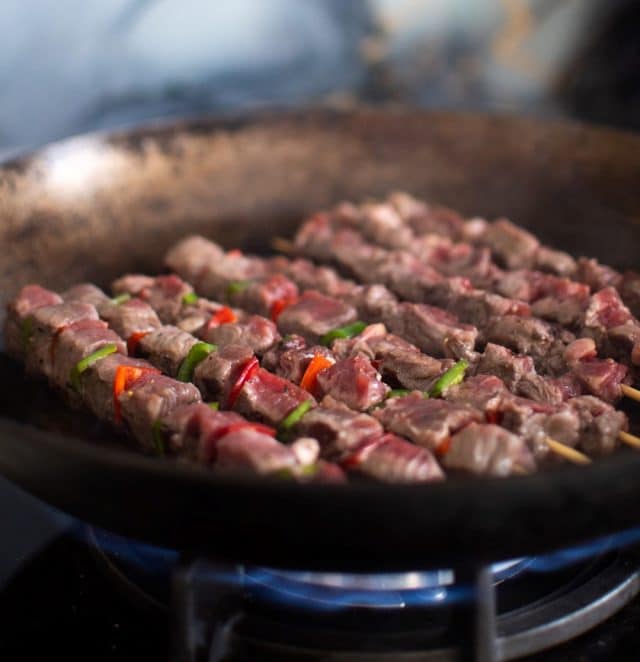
point(316, 591)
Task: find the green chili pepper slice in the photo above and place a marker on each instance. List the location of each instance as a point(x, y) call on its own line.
point(88, 361)
point(295, 415)
point(197, 353)
point(213, 405)
point(26, 332)
point(121, 298)
point(158, 437)
point(237, 286)
point(190, 297)
point(451, 377)
point(348, 331)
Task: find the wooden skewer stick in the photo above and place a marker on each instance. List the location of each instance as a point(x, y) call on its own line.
point(283, 245)
point(630, 392)
point(629, 439)
point(567, 452)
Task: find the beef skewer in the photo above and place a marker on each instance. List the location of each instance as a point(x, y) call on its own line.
point(65, 342)
point(198, 255)
point(617, 334)
point(434, 331)
point(256, 393)
point(512, 246)
point(294, 355)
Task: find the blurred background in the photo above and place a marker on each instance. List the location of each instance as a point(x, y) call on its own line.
point(80, 65)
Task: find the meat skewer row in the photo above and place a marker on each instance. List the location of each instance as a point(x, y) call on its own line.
point(293, 359)
point(602, 316)
point(513, 247)
point(245, 281)
point(67, 343)
point(232, 375)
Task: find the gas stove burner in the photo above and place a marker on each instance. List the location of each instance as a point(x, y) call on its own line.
point(232, 612)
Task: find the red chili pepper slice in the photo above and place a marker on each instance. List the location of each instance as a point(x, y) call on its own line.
point(310, 378)
point(125, 376)
point(222, 316)
point(353, 459)
point(134, 340)
point(444, 447)
point(245, 374)
point(278, 306)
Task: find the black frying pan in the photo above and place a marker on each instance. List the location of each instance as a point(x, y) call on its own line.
point(94, 207)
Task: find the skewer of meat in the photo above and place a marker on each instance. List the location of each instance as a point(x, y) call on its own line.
point(233, 377)
point(512, 246)
point(294, 357)
point(434, 331)
point(67, 343)
point(617, 336)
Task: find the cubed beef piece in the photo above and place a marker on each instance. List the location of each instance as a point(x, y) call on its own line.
point(601, 377)
point(97, 384)
point(338, 430)
point(483, 392)
point(524, 335)
point(133, 316)
point(382, 225)
point(353, 381)
point(192, 256)
point(600, 424)
point(392, 459)
point(216, 375)
point(77, 341)
point(512, 246)
point(251, 451)
point(555, 262)
point(596, 275)
point(314, 314)
point(431, 329)
point(150, 398)
point(373, 302)
point(87, 293)
point(256, 332)
point(46, 325)
point(269, 398)
point(261, 296)
point(487, 450)
point(16, 331)
point(166, 348)
point(426, 422)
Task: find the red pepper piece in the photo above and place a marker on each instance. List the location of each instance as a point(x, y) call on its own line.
point(245, 374)
point(125, 376)
point(444, 447)
point(134, 340)
point(279, 305)
point(222, 316)
point(310, 378)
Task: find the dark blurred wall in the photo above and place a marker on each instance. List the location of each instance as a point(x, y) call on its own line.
point(80, 65)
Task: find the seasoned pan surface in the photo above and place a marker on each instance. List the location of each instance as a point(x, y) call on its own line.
point(93, 207)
